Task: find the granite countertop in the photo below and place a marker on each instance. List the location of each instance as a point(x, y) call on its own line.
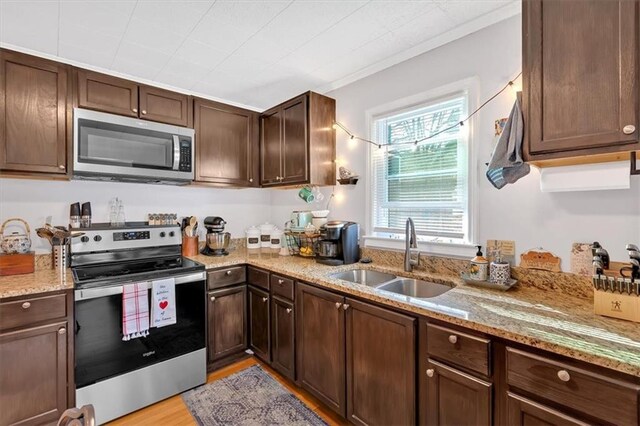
point(545, 319)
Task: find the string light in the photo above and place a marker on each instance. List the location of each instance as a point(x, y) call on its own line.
point(338, 125)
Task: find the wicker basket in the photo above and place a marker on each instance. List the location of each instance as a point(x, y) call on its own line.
point(301, 243)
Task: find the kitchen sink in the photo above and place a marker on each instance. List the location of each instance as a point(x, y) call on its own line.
point(414, 288)
point(365, 277)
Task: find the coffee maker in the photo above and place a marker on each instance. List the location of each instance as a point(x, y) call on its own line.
point(217, 239)
point(338, 243)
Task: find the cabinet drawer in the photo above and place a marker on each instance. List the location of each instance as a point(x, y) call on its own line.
point(460, 349)
point(282, 286)
point(258, 277)
point(31, 310)
point(598, 396)
point(226, 276)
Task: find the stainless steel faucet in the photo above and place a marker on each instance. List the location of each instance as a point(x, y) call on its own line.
point(411, 242)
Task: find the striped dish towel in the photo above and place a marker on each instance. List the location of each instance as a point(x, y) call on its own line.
point(135, 311)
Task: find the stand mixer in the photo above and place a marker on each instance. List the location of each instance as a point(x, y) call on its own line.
point(217, 239)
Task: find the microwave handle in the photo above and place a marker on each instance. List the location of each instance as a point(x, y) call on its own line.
point(176, 152)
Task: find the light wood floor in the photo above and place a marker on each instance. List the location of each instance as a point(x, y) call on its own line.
point(174, 412)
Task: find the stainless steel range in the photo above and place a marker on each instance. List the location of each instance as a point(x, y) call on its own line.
point(118, 376)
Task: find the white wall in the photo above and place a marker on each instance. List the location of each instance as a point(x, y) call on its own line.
point(518, 212)
point(33, 200)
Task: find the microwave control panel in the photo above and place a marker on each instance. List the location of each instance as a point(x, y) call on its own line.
point(185, 155)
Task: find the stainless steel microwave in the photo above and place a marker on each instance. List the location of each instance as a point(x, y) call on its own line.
point(112, 147)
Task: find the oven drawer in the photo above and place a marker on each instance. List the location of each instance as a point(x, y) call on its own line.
point(460, 349)
point(226, 276)
point(282, 286)
point(32, 310)
point(605, 398)
point(258, 277)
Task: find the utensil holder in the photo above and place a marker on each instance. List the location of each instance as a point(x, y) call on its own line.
point(189, 245)
point(60, 255)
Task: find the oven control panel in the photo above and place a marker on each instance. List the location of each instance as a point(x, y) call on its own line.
point(130, 235)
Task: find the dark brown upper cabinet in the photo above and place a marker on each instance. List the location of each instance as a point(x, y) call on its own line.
point(34, 99)
point(297, 142)
point(124, 97)
point(226, 144)
point(580, 80)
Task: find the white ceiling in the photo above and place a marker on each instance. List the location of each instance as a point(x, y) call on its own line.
point(251, 52)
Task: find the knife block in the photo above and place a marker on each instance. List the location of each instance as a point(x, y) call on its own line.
point(617, 305)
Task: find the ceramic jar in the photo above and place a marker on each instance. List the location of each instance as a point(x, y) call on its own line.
point(253, 238)
point(15, 242)
point(265, 234)
point(276, 238)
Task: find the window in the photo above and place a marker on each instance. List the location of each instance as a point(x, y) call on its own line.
point(428, 182)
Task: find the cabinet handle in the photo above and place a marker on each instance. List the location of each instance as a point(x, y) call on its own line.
point(26, 305)
point(228, 272)
point(280, 281)
point(135, 110)
point(250, 179)
point(453, 339)
point(264, 299)
point(628, 129)
point(61, 167)
point(430, 372)
point(213, 298)
point(564, 375)
point(289, 310)
point(62, 330)
point(345, 306)
point(144, 111)
point(338, 304)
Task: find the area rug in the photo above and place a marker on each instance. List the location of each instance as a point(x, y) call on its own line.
point(248, 397)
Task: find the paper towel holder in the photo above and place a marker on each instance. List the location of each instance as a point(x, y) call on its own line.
point(635, 164)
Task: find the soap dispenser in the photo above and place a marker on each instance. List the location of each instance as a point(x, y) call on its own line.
point(499, 271)
point(479, 266)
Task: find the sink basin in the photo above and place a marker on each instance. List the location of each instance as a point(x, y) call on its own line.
point(365, 277)
point(414, 288)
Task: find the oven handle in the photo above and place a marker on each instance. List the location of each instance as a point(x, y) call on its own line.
point(92, 293)
point(176, 152)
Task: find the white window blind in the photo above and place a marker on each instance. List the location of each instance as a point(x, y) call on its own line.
point(427, 182)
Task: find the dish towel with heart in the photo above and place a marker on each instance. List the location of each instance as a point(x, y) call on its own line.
point(163, 302)
point(135, 311)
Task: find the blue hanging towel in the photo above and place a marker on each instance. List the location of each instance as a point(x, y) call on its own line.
point(507, 165)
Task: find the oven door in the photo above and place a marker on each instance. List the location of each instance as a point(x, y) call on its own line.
point(99, 349)
point(107, 144)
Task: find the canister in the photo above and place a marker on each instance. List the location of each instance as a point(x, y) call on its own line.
point(265, 234)
point(276, 238)
point(253, 238)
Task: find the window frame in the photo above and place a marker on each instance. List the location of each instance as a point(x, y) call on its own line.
point(464, 248)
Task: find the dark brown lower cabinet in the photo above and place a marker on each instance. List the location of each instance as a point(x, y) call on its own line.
point(320, 333)
point(381, 381)
point(453, 398)
point(283, 337)
point(33, 377)
point(227, 322)
point(259, 323)
point(523, 412)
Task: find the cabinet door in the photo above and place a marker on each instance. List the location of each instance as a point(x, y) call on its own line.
point(227, 322)
point(580, 81)
point(259, 323)
point(320, 351)
point(454, 398)
point(283, 329)
point(33, 114)
point(270, 147)
point(164, 106)
point(226, 144)
point(33, 377)
point(106, 93)
point(295, 141)
point(381, 358)
point(524, 412)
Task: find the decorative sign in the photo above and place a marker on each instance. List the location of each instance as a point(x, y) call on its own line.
point(540, 259)
point(581, 259)
point(507, 250)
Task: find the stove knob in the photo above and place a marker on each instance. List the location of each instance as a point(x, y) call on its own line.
point(162, 234)
point(97, 238)
point(172, 234)
point(84, 239)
